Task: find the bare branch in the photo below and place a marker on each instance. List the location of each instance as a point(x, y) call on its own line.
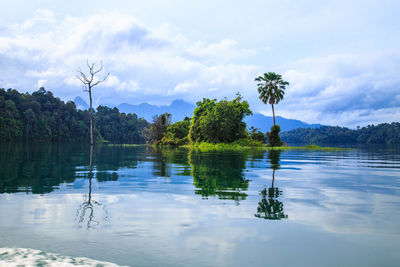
point(81, 79)
point(87, 63)
point(100, 81)
point(83, 76)
point(97, 71)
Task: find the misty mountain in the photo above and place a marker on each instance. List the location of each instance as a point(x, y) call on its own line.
point(264, 123)
point(178, 108)
point(181, 109)
point(80, 103)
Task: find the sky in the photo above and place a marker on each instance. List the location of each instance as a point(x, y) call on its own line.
point(341, 58)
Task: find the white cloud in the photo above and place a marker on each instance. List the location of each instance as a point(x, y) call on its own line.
point(225, 50)
point(51, 72)
point(41, 83)
point(160, 62)
point(132, 52)
point(111, 81)
point(72, 81)
point(183, 88)
point(346, 90)
point(130, 86)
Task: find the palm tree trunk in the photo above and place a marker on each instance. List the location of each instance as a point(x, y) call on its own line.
point(273, 178)
point(273, 113)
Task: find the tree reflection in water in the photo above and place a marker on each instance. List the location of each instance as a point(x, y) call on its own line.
point(219, 173)
point(85, 211)
point(271, 208)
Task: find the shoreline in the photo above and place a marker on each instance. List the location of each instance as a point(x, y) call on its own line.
point(227, 146)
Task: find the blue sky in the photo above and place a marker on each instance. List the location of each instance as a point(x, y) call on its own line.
point(342, 58)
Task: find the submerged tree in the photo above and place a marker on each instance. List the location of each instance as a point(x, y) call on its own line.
point(271, 88)
point(88, 82)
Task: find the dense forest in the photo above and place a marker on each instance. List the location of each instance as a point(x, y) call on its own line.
point(42, 117)
point(384, 133)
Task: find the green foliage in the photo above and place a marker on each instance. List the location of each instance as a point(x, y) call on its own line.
point(177, 133)
point(384, 133)
point(42, 117)
point(239, 144)
point(173, 142)
point(273, 137)
point(179, 129)
point(39, 116)
point(245, 142)
point(271, 87)
point(119, 128)
point(219, 122)
point(156, 131)
point(256, 135)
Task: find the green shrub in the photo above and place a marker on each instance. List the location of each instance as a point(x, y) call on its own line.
point(256, 135)
point(243, 142)
point(173, 142)
point(273, 137)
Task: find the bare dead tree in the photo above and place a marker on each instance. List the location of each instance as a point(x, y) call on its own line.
point(88, 82)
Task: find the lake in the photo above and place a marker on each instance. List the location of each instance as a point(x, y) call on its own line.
point(139, 206)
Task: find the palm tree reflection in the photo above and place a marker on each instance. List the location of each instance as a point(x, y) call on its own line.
point(85, 211)
point(271, 208)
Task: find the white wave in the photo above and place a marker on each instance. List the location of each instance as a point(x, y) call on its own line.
point(32, 257)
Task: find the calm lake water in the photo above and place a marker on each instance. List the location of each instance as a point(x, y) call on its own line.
point(138, 206)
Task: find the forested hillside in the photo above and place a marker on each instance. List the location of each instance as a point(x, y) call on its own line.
point(384, 133)
point(43, 117)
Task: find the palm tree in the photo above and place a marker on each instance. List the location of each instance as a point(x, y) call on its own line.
point(271, 87)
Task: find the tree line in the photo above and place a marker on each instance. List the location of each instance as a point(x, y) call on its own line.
point(41, 116)
point(385, 133)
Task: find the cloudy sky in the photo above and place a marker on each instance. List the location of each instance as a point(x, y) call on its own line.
point(342, 58)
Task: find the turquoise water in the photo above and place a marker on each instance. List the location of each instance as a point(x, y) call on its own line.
point(138, 206)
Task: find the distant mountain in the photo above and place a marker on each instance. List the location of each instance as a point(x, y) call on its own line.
point(80, 103)
point(178, 108)
point(264, 123)
point(181, 109)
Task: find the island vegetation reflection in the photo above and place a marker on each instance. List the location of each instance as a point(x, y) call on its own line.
point(219, 173)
